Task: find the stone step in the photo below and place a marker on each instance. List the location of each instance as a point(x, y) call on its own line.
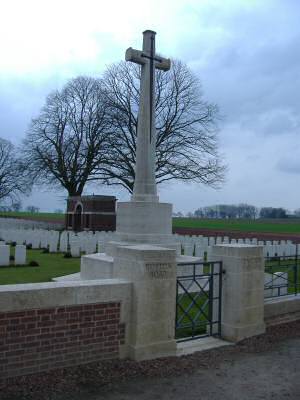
point(201, 344)
point(67, 278)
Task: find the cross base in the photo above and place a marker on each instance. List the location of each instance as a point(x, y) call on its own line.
point(149, 198)
point(144, 222)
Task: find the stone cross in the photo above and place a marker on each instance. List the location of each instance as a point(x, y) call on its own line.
point(144, 184)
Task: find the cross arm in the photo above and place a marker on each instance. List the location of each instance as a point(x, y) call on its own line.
point(162, 63)
point(134, 56)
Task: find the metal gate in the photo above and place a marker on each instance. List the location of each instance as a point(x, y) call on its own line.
point(198, 300)
point(282, 276)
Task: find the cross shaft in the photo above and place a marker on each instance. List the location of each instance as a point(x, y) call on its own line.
point(145, 185)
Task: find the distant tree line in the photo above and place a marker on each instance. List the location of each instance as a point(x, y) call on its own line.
point(237, 211)
point(228, 211)
point(17, 207)
point(271, 212)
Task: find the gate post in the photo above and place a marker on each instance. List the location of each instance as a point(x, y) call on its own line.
point(152, 271)
point(243, 290)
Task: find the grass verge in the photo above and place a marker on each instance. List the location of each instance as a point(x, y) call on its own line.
point(50, 266)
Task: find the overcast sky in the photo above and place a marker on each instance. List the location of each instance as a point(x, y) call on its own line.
point(246, 53)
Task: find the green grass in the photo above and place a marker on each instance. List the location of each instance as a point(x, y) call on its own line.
point(50, 266)
point(36, 216)
point(191, 324)
point(242, 225)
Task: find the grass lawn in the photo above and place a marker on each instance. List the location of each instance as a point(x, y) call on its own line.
point(35, 216)
point(50, 266)
point(190, 320)
point(242, 225)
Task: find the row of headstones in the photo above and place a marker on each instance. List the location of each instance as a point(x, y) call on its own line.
point(211, 240)
point(189, 245)
point(19, 256)
point(83, 242)
point(86, 242)
point(199, 245)
point(16, 223)
point(37, 238)
point(89, 242)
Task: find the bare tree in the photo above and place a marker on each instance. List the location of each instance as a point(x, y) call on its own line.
point(186, 146)
point(87, 131)
point(67, 143)
point(12, 174)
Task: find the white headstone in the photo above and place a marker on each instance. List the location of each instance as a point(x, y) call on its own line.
point(4, 255)
point(188, 250)
point(75, 248)
point(53, 245)
point(20, 254)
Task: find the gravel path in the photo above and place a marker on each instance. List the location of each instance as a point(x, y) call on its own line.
point(268, 375)
point(264, 367)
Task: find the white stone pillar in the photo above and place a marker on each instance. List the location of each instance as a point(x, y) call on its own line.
point(20, 254)
point(152, 270)
point(243, 290)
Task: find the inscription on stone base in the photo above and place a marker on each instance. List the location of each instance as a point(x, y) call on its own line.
point(159, 271)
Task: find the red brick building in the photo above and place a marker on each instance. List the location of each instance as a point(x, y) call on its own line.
point(96, 213)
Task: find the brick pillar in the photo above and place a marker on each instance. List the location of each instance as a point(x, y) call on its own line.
point(243, 290)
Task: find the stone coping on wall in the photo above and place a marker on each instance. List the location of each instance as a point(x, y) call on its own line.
point(281, 305)
point(52, 294)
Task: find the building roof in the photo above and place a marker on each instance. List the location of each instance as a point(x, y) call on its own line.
point(92, 197)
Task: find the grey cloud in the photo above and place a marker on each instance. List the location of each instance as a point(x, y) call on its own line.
point(248, 60)
point(254, 68)
point(289, 165)
point(273, 122)
point(20, 101)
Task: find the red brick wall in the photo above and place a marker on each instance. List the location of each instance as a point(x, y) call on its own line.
point(38, 340)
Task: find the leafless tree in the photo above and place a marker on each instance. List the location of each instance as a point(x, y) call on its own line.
point(12, 174)
point(87, 131)
point(67, 143)
point(186, 146)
